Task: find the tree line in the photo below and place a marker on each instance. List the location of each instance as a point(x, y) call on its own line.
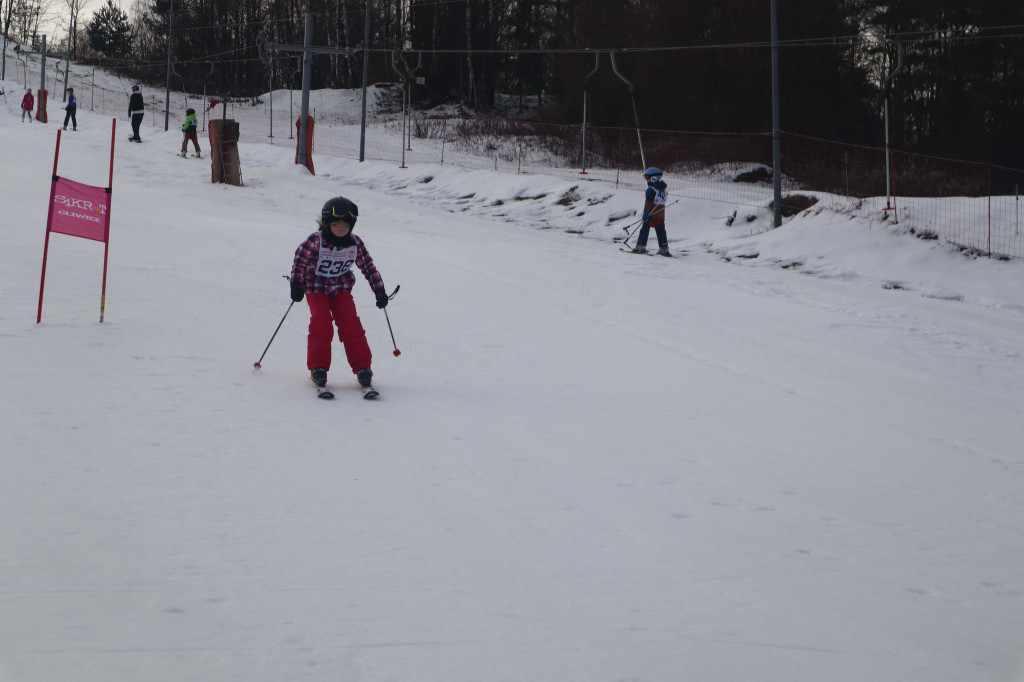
point(949, 70)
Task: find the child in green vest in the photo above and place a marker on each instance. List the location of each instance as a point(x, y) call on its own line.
point(189, 130)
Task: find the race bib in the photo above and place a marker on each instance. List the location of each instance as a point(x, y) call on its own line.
point(334, 262)
point(661, 197)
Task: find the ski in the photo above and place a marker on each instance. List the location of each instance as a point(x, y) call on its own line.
point(324, 394)
point(649, 253)
point(370, 393)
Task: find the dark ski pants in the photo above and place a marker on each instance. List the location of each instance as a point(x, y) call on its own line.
point(136, 122)
point(195, 142)
point(326, 312)
point(70, 116)
point(659, 230)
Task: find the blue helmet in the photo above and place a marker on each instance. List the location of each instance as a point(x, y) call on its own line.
point(653, 174)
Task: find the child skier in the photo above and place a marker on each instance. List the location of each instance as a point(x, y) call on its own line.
point(655, 199)
point(71, 108)
point(322, 272)
point(188, 128)
point(27, 102)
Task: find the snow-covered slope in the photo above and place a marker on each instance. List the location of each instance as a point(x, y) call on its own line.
point(585, 465)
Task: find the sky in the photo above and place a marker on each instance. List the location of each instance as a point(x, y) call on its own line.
point(57, 22)
point(758, 460)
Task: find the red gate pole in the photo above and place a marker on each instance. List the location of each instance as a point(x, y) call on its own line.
point(106, 240)
point(895, 213)
point(49, 218)
point(519, 170)
point(444, 133)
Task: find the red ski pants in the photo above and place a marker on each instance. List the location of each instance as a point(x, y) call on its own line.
point(325, 312)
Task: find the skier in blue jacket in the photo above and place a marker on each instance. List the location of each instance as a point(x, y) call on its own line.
point(71, 108)
point(655, 199)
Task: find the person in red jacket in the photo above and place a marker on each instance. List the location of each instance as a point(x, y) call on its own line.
point(27, 102)
point(322, 272)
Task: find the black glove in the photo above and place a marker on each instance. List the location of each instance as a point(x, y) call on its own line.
point(382, 299)
point(297, 290)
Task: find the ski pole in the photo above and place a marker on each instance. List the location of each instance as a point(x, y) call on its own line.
point(257, 364)
point(396, 352)
point(641, 220)
point(625, 242)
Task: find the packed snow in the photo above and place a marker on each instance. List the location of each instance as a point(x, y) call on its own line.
point(786, 455)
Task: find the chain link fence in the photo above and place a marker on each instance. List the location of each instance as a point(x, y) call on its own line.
point(974, 206)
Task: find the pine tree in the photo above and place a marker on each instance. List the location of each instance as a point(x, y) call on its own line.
point(110, 31)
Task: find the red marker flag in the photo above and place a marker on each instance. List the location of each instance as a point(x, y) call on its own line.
point(80, 210)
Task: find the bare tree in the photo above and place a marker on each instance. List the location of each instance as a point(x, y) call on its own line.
point(75, 8)
point(26, 16)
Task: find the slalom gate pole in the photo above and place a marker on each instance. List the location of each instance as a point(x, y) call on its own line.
point(257, 365)
point(106, 242)
point(49, 219)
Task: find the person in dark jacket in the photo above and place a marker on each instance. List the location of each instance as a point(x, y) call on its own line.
point(136, 110)
point(322, 272)
point(71, 107)
point(655, 199)
point(188, 129)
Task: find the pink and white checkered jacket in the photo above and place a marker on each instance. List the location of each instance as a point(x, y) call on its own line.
point(335, 273)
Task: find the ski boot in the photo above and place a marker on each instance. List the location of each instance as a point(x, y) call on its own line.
point(640, 249)
point(319, 377)
point(663, 251)
point(364, 376)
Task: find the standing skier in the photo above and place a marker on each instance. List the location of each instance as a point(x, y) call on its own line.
point(322, 271)
point(136, 110)
point(188, 128)
point(27, 102)
point(71, 108)
point(655, 199)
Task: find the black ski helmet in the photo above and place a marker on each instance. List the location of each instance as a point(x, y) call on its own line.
point(190, 112)
point(339, 208)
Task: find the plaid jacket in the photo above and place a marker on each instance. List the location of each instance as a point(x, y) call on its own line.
point(305, 263)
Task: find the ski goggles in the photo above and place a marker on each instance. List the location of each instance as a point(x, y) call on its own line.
point(348, 216)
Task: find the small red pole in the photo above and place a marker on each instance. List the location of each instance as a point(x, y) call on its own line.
point(49, 219)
